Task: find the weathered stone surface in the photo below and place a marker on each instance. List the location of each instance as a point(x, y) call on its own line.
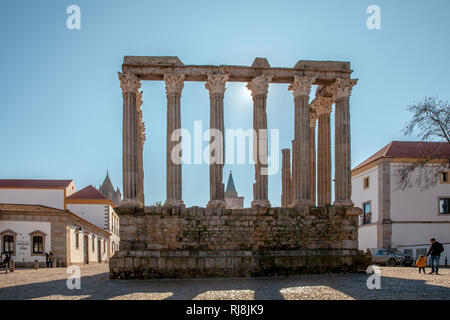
point(154, 68)
point(242, 242)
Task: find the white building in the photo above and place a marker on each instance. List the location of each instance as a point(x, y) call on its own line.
point(394, 217)
point(89, 204)
point(28, 232)
point(50, 193)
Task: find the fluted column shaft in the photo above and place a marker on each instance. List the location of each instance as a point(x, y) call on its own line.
point(285, 177)
point(259, 87)
point(301, 88)
point(342, 160)
point(216, 86)
point(130, 85)
point(174, 87)
point(324, 160)
point(312, 156)
point(292, 185)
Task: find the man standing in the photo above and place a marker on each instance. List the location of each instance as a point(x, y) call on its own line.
point(435, 251)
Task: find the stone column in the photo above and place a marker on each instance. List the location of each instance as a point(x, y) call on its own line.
point(285, 177)
point(130, 85)
point(342, 181)
point(216, 87)
point(312, 155)
point(141, 140)
point(174, 86)
point(259, 87)
point(292, 185)
point(323, 107)
point(301, 88)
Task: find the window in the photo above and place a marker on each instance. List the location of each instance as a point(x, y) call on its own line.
point(37, 240)
point(408, 252)
point(366, 183)
point(38, 244)
point(77, 240)
point(366, 217)
point(8, 244)
point(444, 177)
point(93, 243)
point(444, 204)
point(104, 245)
point(421, 252)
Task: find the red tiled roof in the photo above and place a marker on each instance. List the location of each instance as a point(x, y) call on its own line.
point(88, 193)
point(410, 149)
point(33, 183)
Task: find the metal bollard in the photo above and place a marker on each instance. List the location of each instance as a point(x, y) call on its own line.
point(12, 266)
point(446, 262)
point(36, 264)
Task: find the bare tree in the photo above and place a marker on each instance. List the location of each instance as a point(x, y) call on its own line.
point(430, 121)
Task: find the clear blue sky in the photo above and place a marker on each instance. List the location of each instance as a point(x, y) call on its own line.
point(61, 105)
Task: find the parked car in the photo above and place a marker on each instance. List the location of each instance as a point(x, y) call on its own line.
point(390, 257)
point(407, 260)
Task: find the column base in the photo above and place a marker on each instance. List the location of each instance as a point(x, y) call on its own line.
point(344, 203)
point(216, 204)
point(174, 203)
point(302, 203)
point(130, 203)
point(261, 204)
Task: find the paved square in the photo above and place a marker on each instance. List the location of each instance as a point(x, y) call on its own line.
point(396, 283)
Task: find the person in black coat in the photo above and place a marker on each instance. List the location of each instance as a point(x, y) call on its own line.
point(435, 251)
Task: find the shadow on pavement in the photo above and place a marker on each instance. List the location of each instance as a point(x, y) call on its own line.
point(100, 287)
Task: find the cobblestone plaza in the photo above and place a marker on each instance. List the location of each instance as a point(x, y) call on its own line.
point(396, 283)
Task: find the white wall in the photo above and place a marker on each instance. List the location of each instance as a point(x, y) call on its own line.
point(47, 197)
point(361, 195)
point(23, 230)
point(413, 204)
point(408, 234)
point(94, 213)
point(367, 237)
point(100, 215)
point(77, 255)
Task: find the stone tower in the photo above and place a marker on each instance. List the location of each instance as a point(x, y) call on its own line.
point(108, 190)
point(232, 200)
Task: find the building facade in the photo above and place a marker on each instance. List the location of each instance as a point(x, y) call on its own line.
point(402, 218)
point(89, 204)
point(50, 193)
point(92, 205)
point(28, 232)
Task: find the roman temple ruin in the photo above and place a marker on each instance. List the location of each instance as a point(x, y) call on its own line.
point(305, 234)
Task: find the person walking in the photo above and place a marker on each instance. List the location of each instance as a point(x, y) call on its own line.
point(435, 251)
point(421, 263)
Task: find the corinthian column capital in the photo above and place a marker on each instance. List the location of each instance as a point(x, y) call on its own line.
point(129, 83)
point(259, 85)
point(174, 83)
point(216, 83)
point(301, 86)
point(322, 105)
point(343, 87)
